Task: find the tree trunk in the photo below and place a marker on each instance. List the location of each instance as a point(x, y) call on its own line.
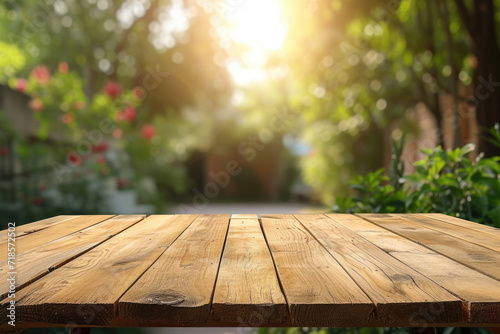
point(429, 43)
point(436, 111)
point(486, 73)
point(443, 12)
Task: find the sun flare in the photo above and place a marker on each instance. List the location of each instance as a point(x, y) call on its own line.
point(258, 27)
point(258, 24)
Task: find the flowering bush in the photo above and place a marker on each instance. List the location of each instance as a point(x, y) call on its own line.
point(62, 106)
point(67, 174)
point(94, 141)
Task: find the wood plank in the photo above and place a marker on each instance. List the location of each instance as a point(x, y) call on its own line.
point(51, 233)
point(247, 289)
point(178, 288)
point(480, 293)
point(25, 229)
point(318, 290)
point(464, 223)
point(468, 234)
point(474, 256)
point(85, 291)
point(243, 215)
point(397, 290)
point(37, 262)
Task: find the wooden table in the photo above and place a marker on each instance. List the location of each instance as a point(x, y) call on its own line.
point(309, 270)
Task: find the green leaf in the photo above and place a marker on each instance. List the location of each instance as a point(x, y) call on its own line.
point(494, 215)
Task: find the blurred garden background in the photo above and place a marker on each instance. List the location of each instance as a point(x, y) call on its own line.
point(155, 106)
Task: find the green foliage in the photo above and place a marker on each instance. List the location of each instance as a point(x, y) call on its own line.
point(495, 135)
point(11, 60)
point(376, 61)
point(374, 194)
point(444, 181)
point(450, 183)
point(372, 330)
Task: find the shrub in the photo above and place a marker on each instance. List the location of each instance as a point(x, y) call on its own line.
point(444, 181)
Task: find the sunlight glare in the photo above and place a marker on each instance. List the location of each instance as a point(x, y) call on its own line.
point(258, 24)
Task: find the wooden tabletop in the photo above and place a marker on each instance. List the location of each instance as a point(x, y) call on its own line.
point(308, 270)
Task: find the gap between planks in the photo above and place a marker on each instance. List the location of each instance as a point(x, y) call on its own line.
point(52, 232)
point(318, 291)
point(247, 266)
point(37, 262)
point(178, 288)
point(468, 234)
point(39, 225)
point(89, 282)
point(477, 293)
point(464, 223)
point(396, 289)
point(474, 256)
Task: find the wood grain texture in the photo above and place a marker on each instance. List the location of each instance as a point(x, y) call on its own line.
point(37, 262)
point(51, 233)
point(464, 223)
point(318, 290)
point(480, 294)
point(178, 288)
point(490, 241)
point(85, 291)
point(474, 256)
point(25, 229)
point(247, 289)
point(397, 290)
point(332, 270)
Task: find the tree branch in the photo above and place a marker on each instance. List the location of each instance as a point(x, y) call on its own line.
point(433, 73)
point(148, 15)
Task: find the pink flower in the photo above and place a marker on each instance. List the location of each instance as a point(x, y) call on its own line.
point(117, 133)
point(148, 131)
point(138, 92)
point(127, 114)
point(36, 104)
point(101, 159)
point(99, 148)
point(112, 88)
point(79, 105)
point(67, 118)
point(21, 84)
point(74, 159)
point(41, 74)
point(63, 67)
